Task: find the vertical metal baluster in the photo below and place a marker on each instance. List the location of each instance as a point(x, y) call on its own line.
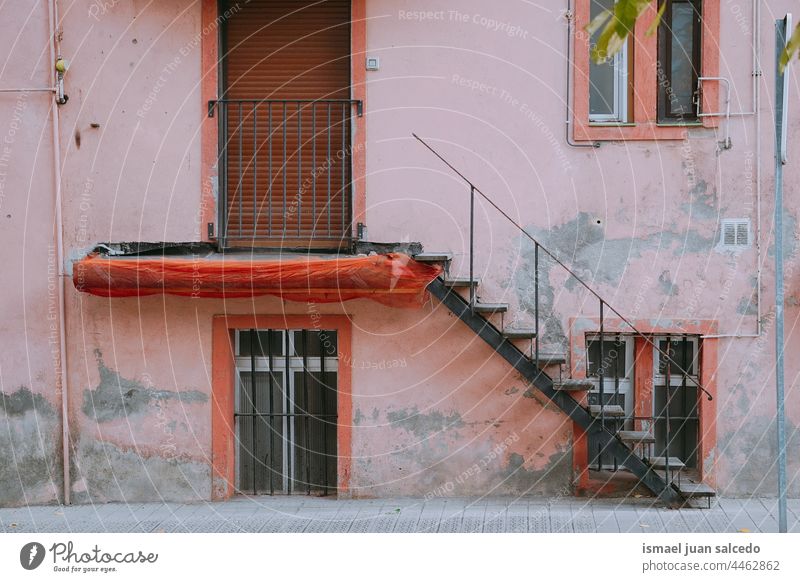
point(601, 374)
point(225, 211)
point(329, 161)
point(536, 298)
point(472, 249)
point(271, 413)
point(307, 405)
point(255, 170)
point(687, 367)
point(668, 399)
point(616, 392)
point(314, 169)
point(254, 420)
point(299, 210)
point(288, 421)
point(284, 169)
point(240, 186)
point(271, 178)
point(324, 388)
point(345, 158)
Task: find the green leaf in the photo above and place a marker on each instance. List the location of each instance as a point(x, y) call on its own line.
point(617, 26)
point(792, 48)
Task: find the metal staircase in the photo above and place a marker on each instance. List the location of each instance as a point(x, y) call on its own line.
point(604, 421)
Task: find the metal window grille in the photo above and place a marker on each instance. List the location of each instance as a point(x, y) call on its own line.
point(286, 411)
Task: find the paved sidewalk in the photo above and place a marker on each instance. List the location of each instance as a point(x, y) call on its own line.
point(310, 514)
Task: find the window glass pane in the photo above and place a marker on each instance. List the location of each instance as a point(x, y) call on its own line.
point(316, 342)
point(682, 354)
point(602, 76)
point(261, 344)
point(682, 69)
point(613, 361)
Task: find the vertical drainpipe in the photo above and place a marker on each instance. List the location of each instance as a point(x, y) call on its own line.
point(62, 331)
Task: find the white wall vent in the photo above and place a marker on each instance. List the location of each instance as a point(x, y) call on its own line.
point(735, 233)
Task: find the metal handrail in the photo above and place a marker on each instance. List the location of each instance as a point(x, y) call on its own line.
point(212, 103)
point(603, 303)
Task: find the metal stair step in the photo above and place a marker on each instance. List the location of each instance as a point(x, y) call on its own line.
point(519, 333)
point(573, 385)
point(551, 359)
point(675, 464)
point(491, 307)
point(439, 257)
point(690, 490)
point(636, 436)
point(454, 282)
point(610, 410)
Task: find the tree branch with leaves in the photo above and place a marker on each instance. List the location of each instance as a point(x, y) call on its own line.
point(617, 25)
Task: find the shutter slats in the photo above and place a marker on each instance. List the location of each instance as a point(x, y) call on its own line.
point(284, 50)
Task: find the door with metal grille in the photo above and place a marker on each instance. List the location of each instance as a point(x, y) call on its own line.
point(285, 115)
point(675, 398)
point(610, 366)
point(286, 411)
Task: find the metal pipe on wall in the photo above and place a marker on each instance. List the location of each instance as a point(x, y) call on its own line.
point(55, 53)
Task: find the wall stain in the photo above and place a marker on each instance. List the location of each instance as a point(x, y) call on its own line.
point(119, 397)
point(19, 402)
point(424, 425)
point(553, 479)
point(29, 446)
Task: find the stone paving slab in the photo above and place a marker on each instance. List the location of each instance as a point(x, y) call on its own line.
point(458, 515)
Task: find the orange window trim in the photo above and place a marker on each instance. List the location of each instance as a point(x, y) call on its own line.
point(223, 429)
point(643, 383)
point(644, 125)
point(209, 90)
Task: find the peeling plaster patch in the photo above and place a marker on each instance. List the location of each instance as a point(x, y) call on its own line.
point(424, 425)
point(790, 237)
point(113, 474)
point(29, 449)
point(118, 397)
point(582, 244)
point(553, 479)
point(666, 284)
point(747, 305)
point(703, 203)
point(23, 400)
point(746, 457)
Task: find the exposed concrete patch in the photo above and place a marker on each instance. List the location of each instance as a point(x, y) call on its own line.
point(791, 237)
point(703, 203)
point(666, 285)
point(113, 474)
point(118, 397)
point(747, 456)
point(553, 479)
point(29, 448)
point(582, 243)
point(23, 400)
point(424, 425)
point(358, 417)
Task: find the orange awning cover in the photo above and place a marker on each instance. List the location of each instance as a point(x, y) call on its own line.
point(393, 279)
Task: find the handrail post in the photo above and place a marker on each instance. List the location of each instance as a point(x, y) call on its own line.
point(668, 401)
point(600, 373)
point(536, 296)
point(472, 249)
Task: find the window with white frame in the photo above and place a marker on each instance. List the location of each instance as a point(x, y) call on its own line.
point(608, 80)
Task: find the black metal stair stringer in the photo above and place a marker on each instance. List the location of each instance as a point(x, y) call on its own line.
point(609, 442)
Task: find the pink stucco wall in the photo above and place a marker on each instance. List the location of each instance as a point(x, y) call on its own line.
point(637, 219)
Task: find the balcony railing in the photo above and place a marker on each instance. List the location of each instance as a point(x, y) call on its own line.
point(285, 172)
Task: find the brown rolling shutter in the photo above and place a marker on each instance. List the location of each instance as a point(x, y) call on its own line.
point(287, 158)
